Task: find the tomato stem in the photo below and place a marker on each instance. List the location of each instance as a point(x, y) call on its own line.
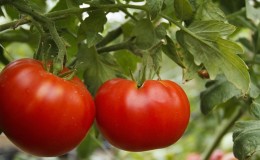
point(50, 25)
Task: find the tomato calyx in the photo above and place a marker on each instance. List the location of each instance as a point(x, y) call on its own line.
point(68, 75)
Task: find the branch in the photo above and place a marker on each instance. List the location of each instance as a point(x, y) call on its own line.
point(110, 37)
point(116, 47)
point(68, 12)
point(222, 130)
point(50, 25)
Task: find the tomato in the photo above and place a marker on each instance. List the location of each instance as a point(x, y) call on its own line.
point(139, 119)
point(41, 113)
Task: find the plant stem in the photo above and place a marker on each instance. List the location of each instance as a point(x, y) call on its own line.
point(119, 46)
point(50, 25)
point(235, 14)
point(68, 12)
point(110, 37)
point(222, 130)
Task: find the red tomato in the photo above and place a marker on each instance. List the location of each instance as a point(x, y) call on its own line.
point(139, 119)
point(41, 113)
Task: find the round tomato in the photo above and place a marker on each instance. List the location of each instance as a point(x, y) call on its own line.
point(41, 113)
point(139, 119)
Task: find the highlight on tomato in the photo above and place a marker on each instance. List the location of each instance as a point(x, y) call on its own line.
point(134, 118)
point(41, 113)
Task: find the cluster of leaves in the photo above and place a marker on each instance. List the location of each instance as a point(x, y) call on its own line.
point(195, 35)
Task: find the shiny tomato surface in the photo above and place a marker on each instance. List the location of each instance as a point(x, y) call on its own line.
point(41, 113)
point(139, 119)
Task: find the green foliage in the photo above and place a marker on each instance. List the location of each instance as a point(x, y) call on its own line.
point(222, 52)
point(217, 92)
point(254, 108)
point(144, 33)
point(91, 27)
point(209, 11)
point(96, 68)
point(154, 7)
point(246, 139)
point(88, 145)
point(184, 10)
point(197, 35)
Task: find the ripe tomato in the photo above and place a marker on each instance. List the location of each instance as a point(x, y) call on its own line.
point(139, 119)
point(41, 113)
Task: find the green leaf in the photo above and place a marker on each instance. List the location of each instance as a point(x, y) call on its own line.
point(88, 145)
point(74, 3)
point(218, 56)
point(154, 7)
point(170, 50)
point(144, 33)
point(246, 139)
point(257, 39)
point(219, 92)
point(91, 27)
point(127, 61)
point(211, 28)
point(209, 11)
point(254, 108)
point(12, 12)
point(96, 68)
point(168, 9)
point(160, 31)
point(183, 9)
point(191, 69)
point(38, 5)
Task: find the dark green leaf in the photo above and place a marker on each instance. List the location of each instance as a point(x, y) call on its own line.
point(1, 12)
point(3, 59)
point(217, 55)
point(183, 9)
point(128, 28)
point(127, 61)
point(103, 1)
point(209, 11)
point(38, 5)
point(246, 139)
point(74, 3)
point(217, 93)
point(96, 68)
point(168, 9)
point(154, 7)
point(246, 43)
point(170, 50)
point(255, 108)
point(91, 27)
point(60, 6)
point(160, 31)
point(144, 33)
point(242, 21)
point(12, 12)
point(257, 39)
point(88, 145)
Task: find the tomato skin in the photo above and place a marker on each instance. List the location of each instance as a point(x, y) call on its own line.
point(41, 113)
point(139, 119)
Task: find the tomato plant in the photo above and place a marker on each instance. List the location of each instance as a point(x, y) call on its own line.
point(212, 46)
point(42, 113)
point(139, 119)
